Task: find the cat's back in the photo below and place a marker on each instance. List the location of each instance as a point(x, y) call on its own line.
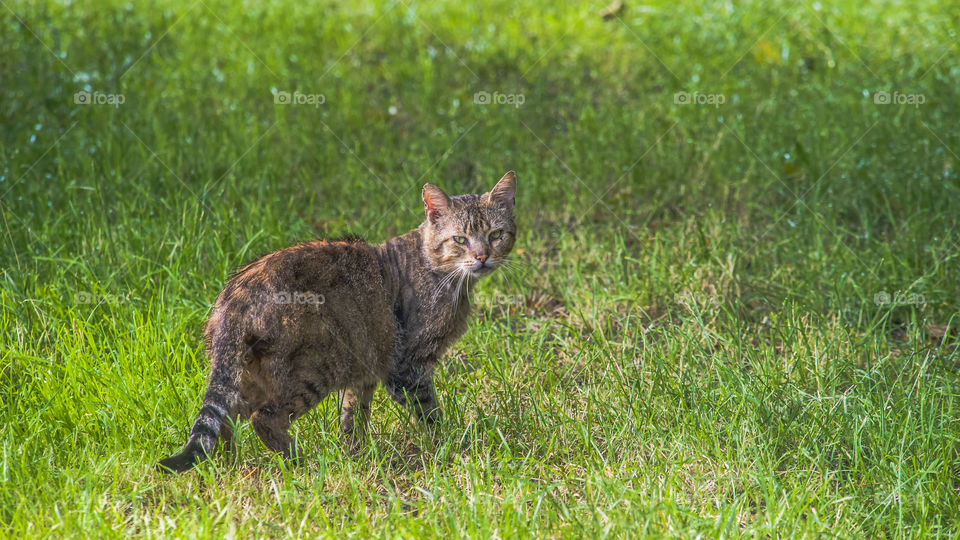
point(317, 267)
point(316, 263)
point(314, 294)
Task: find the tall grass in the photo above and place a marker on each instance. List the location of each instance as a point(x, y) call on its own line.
point(734, 317)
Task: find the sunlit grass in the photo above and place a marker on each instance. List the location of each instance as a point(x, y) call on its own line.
point(728, 318)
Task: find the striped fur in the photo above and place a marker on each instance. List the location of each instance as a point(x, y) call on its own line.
point(292, 326)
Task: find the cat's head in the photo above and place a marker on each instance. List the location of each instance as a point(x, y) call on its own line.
point(472, 234)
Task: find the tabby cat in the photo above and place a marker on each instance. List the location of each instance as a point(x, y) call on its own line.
point(297, 324)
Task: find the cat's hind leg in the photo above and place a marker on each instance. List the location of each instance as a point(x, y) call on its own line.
point(272, 421)
point(227, 432)
point(355, 413)
point(272, 425)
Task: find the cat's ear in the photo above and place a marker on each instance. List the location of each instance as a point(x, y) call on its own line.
point(503, 192)
point(435, 202)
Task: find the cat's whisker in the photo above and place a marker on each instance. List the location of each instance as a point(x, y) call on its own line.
point(448, 283)
point(447, 279)
point(521, 264)
point(464, 275)
point(456, 290)
point(511, 269)
point(465, 283)
point(524, 266)
point(459, 273)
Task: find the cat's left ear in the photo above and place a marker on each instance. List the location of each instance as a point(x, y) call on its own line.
point(503, 192)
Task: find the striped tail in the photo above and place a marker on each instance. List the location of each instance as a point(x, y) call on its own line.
point(221, 397)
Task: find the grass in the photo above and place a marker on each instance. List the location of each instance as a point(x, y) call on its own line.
point(723, 319)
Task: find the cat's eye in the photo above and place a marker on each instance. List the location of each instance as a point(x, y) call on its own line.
point(496, 234)
point(460, 239)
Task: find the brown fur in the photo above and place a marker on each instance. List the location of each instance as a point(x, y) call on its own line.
point(297, 324)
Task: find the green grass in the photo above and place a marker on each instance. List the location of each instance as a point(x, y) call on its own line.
point(690, 342)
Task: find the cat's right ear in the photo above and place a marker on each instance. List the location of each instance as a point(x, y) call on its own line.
point(435, 202)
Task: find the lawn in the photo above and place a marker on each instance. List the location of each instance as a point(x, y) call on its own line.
point(732, 308)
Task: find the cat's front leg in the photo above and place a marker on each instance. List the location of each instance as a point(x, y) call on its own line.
point(412, 386)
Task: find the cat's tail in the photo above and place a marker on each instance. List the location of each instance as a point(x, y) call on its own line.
point(221, 398)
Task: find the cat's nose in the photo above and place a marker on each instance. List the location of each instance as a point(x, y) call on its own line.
point(482, 258)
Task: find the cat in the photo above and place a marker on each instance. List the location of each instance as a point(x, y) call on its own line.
point(294, 325)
